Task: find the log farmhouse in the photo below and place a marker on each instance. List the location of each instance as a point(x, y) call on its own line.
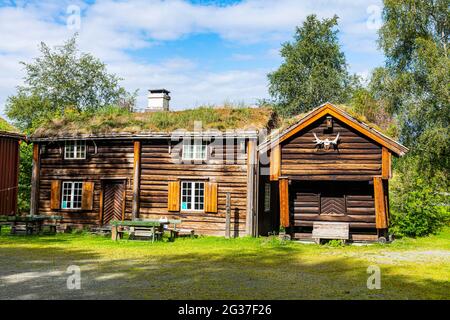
point(147, 165)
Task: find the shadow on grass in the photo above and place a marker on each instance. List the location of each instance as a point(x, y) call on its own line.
point(188, 271)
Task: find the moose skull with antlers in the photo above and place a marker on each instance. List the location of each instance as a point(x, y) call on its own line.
point(327, 142)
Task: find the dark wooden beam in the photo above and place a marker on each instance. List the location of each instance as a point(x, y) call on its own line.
point(34, 205)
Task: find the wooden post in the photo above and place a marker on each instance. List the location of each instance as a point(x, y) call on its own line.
point(284, 202)
point(251, 163)
point(34, 205)
point(136, 180)
point(380, 205)
point(386, 159)
point(228, 216)
point(275, 163)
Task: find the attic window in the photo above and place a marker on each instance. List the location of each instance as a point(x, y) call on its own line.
point(329, 122)
point(75, 150)
point(195, 151)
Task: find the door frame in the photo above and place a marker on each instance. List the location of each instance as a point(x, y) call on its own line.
point(104, 182)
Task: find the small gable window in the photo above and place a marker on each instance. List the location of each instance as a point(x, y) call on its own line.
point(195, 150)
point(75, 150)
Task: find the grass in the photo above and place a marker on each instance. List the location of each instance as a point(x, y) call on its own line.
point(5, 126)
point(217, 268)
point(113, 119)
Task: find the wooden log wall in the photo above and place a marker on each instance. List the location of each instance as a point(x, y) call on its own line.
point(105, 159)
point(357, 199)
point(356, 158)
point(158, 168)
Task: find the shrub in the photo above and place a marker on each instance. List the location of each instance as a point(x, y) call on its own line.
point(418, 207)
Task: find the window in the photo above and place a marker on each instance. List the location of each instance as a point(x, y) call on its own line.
point(195, 151)
point(75, 150)
point(192, 196)
point(267, 197)
point(71, 195)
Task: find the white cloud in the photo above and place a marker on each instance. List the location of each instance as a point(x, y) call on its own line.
point(113, 29)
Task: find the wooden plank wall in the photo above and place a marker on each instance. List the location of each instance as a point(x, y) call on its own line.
point(113, 159)
point(357, 158)
point(9, 169)
point(158, 168)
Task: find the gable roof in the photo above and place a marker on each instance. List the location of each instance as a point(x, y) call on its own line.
point(327, 108)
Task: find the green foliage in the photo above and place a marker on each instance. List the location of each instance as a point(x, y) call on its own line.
point(25, 169)
point(419, 207)
point(414, 88)
point(5, 126)
point(314, 69)
point(415, 82)
point(63, 78)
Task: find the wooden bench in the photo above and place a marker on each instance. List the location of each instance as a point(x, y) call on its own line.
point(330, 230)
point(179, 232)
point(145, 232)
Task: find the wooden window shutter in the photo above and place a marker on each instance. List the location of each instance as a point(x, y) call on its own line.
point(55, 197)
point(87, 198)
point(211, 197)
point(173, 202)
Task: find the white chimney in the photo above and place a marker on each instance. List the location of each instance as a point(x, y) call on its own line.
point(158, 100)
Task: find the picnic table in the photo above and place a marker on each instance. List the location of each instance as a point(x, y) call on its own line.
point(142, 227)
point(30, 223)
point(147, 228)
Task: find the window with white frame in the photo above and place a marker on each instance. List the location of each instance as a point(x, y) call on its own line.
point(192, 196)
point(75, 150)
point(71, 194)
point(195, 150)
point(267, 197)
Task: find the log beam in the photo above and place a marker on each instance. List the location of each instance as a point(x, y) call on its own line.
point(34, 202)
point(136, 179)
point(381, 214)
point(251, 175)
point(284, 202)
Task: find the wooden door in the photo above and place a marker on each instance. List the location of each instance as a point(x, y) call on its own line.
point(113, 201)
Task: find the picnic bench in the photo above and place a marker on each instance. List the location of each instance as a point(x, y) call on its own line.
point(150, 229)
point(31, 224)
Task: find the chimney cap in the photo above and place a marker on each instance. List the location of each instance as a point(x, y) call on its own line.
point(159, 91)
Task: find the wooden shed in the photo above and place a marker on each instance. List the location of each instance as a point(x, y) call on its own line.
point(328, 173)
point(9, 171)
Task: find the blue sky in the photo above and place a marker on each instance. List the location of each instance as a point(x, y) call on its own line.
point(204, 51)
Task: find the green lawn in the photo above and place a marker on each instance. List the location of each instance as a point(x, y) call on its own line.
point(216, 268)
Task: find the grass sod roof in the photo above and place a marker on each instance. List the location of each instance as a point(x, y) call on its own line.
point(113, 121)
point(6, 127)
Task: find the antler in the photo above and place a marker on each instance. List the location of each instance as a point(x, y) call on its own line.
point(317, 141)
point(335, 141)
